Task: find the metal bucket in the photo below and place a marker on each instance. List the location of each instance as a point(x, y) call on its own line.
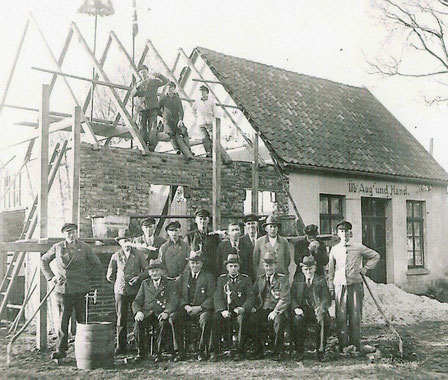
point(109, 225)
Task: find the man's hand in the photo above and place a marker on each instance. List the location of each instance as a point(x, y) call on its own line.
point(188, 309)
point(332, 293)
point(196, 310)
point(239, 310)
point(298, 311)
point(180, 123)
point(253, 310)
point(58, 280)
point(272, 315)
point(225, 314)
point(313, 246)
point(363, 271)
point(133, 280)
point(139, 316)
point(163, 316)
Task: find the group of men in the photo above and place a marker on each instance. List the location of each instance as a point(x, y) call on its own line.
point(169, 106)
point(220, 294)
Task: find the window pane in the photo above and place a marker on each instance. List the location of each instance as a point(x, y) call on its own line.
point(418, 257)
point(409, 209)
point(335, 206)
point(323, 205)
point(416, 228)
point(410, 259)
point(333, 224)
point(417, 210)
point(417, 241)
point(325, 226)
point(409, 230)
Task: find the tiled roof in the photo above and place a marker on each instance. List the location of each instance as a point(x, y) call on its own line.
point(317, 123)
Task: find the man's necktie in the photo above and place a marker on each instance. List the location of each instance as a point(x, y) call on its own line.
point(308, 282)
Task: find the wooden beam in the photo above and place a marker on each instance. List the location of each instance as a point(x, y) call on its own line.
point(86, 125)
point(76, 162)
point(7, 162)
point(124, 51)
point(68, 39)
point(255, 176)
point(44, 126)
point(206, 81)
point(115, 98)
point(216, 207)
point(13, 68)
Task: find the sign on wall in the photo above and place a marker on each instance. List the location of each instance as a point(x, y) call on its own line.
point(374, 190)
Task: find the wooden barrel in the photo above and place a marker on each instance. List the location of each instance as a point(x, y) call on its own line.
point(94, 345)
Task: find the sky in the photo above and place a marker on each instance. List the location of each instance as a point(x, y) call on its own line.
point(324, 38)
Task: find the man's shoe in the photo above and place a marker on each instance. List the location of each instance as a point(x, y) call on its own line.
point(278, 357)
point(213, 357)
point(120, 351)
point(239, 357)
point(178, 357)
point(139, 358)
point(58, 355)
point(157, 358)
point(321, 356)
point(258, 355)
point(202, 357)
point(299, 356)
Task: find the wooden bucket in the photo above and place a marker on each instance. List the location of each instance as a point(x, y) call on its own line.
point(94, 345)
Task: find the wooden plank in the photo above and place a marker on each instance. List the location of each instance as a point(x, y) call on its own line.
point(125, 52)
point(255, 176)
point(61, 58)
point(115, 98)
point(13, 68)
point(76, 163)
point(206, 81)
point(216, 186)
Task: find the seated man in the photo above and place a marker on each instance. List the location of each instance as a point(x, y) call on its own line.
point(173, 114)
point(196, 288)
point(155, 305)
point(174, 253)
point(271, 304)
point(233, 303)
point(310, 300)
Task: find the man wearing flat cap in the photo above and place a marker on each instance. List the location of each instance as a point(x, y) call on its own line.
point(155, 305)
point(173, 115)
point(147, 104)
point(233, 301)
point(174, 252)
point(311, 245)
point(76, 266)
point(272, 301)
point(348, 262)
point(201, 239)
point(126, 270)
point(273, 243)
point(310, 300)
point(196, 290)
point(149, 244)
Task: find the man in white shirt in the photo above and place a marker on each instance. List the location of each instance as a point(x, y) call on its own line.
point(345, 282)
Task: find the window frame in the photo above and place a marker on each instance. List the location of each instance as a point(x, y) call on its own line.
point(330, 217)
point(421, 221)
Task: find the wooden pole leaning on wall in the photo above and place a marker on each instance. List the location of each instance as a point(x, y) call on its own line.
point(255, 176)
point(216, 186)
point(44, 126)
point(76, 161)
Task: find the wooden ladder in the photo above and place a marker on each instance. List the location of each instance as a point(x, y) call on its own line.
point(18, 258)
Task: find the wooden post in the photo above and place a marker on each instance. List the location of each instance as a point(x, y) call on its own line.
point(44, 126)
point(216, 187)
point(255, 176)
point(76, 160)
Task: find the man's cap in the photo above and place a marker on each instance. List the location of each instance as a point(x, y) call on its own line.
point(69, 227)
point(250, 218)
point(204, 87)
point(232, 258)
point(344, 225)
point(142, 67)
point(172, 226)
point(195, 256)
point(203, 213)
point(155, 263)
point(311, 230)
point(148, 222)
point(171, 84)
point(123, 233)
point(271, 219)
point(308, 261)
point(269, 258)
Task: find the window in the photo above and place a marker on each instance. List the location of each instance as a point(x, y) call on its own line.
point(267, 203)
point(415, 220)
point(11, 191)
point(331, 212)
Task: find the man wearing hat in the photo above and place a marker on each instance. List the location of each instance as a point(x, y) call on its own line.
point(174, 252)
point(201, 239)
point(205, 112)
point(310, 300)
point(147, 104)
point(233, 301)
point(155, 305)
point(273, 243)
point(149, 244)
point(76, 266)
point(345, 282)
point(272, 301)
point(233, 243)
point(173, 115)
point(311, 245)
point(196, 288)
point(248, 240)
point(127, 268)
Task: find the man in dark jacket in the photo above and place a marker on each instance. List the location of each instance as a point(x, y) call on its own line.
point(173, 115)
point(147, 104)
point(76, 266)
point(174, 252)
point(126, 270)
point(310, 300)
point(248, 240)
point(196, 288)
point(155, 305)
point(233, 301)
point(149, 244)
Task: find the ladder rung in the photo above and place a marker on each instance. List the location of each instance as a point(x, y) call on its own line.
point(14, 306)
point(2, 293)
point(8, 278)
